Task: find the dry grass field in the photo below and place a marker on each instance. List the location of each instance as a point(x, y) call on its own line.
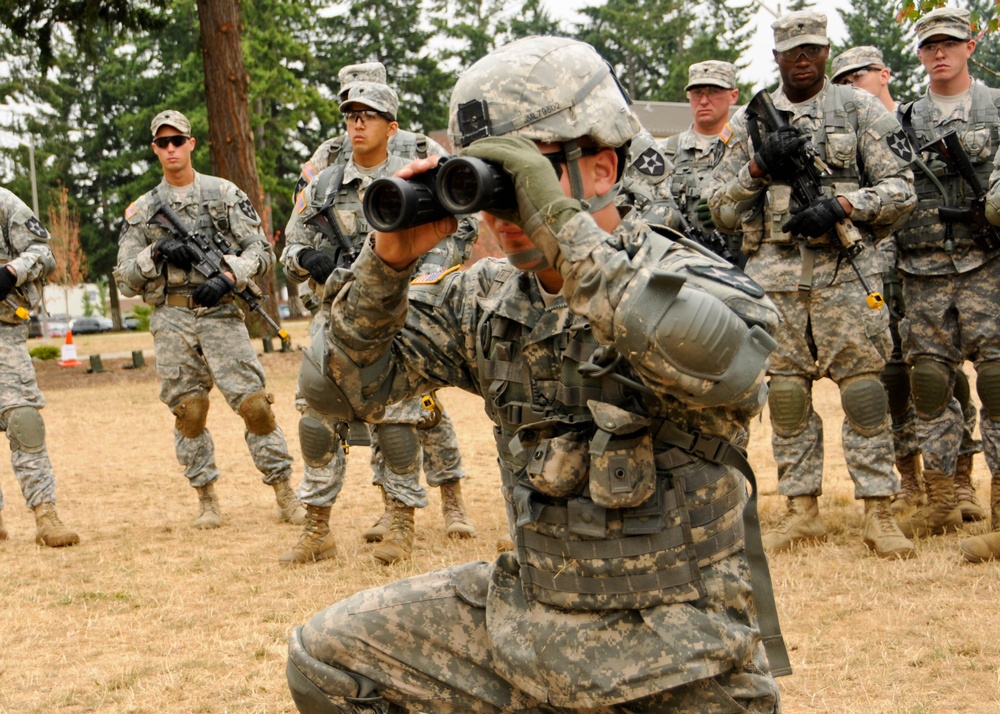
point(149, 615)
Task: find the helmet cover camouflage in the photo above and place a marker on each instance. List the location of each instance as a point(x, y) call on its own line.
point(548, 89)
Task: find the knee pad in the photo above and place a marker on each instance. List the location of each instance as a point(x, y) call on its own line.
point(896, 378)
point(988, 388)
point(318, 439)
point(25, 429)
point(400, 446)
point(257, 414)
point(192, 415)
point(316, 687)
point(791, 405)
point(865, 404)
point(931, 385)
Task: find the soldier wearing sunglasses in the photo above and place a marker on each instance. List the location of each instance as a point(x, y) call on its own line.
point(198, 331)
point(794, 254)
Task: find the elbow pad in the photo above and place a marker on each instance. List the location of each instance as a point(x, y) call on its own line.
point(677, 333)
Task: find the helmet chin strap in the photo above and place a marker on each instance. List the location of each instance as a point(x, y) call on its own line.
point(596, 203)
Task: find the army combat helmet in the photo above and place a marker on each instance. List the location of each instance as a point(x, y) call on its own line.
point(547, 89)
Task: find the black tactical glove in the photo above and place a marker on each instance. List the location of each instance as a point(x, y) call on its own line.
point(175, 252)
point(777, 153)
point(212, 290)
point(319, 264)
point(704, 214)
point(816, 219)
point(8, 281)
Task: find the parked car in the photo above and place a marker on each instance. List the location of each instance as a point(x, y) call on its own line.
point(57, 328)
point(283, 311)
point(34, 326)
point(130, 322)
point(91, 325)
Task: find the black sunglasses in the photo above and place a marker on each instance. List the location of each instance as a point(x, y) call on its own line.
point(177, 140)
point(365, 115)
point(558, 158)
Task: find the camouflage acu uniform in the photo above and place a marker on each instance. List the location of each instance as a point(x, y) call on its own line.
point(25, 247)
point(645, 188)
point(440, 458)
point(947, 279)
point(195, 346)
point(815, 290)
point(534, 631)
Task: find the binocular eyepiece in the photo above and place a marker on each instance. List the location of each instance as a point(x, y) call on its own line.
point(457, 186)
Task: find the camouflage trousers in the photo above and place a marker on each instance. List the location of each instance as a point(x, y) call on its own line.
point(18, 388)
point(951, 318)
point(904, 424)
point(428, 643)
point(815, 342)
point(196, 349)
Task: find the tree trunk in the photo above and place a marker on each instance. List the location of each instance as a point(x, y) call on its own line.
point(231, 138)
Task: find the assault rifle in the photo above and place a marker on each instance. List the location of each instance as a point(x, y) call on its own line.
point(985, 234)
point(714, 241)
point(325, 222)
point(809, 166)
point(210, 253)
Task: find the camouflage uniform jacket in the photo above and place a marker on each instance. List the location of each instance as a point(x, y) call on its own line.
point(692, 167)
point(921, 242)
point(25, 247)
point(863, 145)
point(213, 205)
point(644, 185)
point(598, 567)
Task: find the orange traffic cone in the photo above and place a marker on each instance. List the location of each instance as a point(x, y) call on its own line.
point(69, 352)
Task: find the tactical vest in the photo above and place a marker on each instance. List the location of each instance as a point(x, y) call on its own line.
point(925, 229)
point(606, 511)
point(837, 144)
point(690, 174)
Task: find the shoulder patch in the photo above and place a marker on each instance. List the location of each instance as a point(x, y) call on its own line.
point(35, 226)
point(300, 201)
point(130, 211)
point(248, 210)
point(436, 277)
point(309, 171)
point(733, 277)
point(650, 163)
point(900, 146)
point(726, 134)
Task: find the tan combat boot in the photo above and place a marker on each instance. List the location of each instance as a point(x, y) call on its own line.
point(940, 515)
point(290, 509)
point(316, 542)
point(398, 543)
point(208, 508)
point(377, 532)
point(881, 534)
point(3, 531)
point(49, 530)
point(800, 524)
point(911, 494)
point(456, 520)
point(986, 547)
point(965, 492)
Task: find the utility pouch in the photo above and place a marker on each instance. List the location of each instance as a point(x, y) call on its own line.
point(558, 465)
point(622, 470)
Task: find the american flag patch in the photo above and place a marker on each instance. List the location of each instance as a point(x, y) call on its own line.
point(436, 277)
point(309, 171)
point(726, 134)
point(300, 201)
point(130, 211)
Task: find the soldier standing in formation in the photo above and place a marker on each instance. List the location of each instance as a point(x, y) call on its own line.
point(402, 441)
point(199, 335)
point(711, 91)
point(25, 261)
point(863, 67)
point(629, 591)
point(948, 270)
point(793, 251)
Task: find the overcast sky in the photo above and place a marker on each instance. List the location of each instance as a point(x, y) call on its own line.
point(761, 68)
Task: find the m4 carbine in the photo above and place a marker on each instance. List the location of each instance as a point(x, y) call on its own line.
point(806, 188)
point(985, 234)
point(326, 223)
point(210, 253)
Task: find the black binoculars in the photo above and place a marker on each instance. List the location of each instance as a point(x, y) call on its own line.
point(456, 186)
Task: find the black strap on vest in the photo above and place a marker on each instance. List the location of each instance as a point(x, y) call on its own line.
point(720, 451)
